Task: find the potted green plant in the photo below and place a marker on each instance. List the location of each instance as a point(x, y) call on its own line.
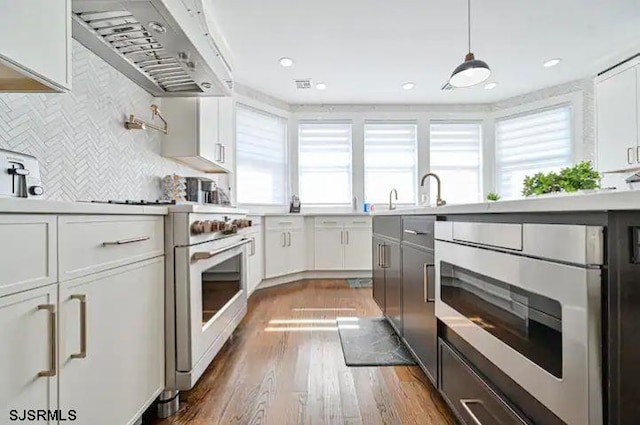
point(493, 196)
point(581, 176)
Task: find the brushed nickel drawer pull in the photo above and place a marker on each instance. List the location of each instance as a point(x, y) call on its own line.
point(83, 326)
point(289, 238)
point(205, 255)
point(629, 156)
point(347, 235)
point(126, 241)
point(52, 341)
point(465, 405)
point(416, 232)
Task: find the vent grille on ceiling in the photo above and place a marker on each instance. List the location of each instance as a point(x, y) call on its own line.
point(132, 40)
point(303, 84)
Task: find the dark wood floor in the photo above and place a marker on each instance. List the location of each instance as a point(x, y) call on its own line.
point(285, 366)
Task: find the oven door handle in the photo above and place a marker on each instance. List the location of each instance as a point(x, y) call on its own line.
point(205, 255)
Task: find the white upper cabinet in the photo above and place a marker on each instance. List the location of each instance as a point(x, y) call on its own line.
point(35, 46)
point(201, 132)
point(618, 114)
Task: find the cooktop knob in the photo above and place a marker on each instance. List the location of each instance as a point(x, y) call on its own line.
point(36, 190)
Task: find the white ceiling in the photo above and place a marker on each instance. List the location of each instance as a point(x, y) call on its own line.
point(365, 49)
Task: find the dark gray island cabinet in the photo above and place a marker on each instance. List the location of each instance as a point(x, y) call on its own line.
point(518, 316)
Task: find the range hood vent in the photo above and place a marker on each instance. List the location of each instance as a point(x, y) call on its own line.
point(142, 41)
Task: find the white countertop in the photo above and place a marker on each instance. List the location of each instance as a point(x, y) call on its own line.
point(313, 214)
point(41, 206)
point(597, 201)
point(206, 209)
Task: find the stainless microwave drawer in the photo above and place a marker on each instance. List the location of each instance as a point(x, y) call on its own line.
point(472, 400)
point(418, 231)
point(501, 235)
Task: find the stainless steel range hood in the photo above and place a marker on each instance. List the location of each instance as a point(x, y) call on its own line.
point(165, 47)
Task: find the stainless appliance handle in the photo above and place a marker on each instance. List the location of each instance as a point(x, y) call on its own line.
point(126, 241)
point(425, 282)
point(52, 341)
point(465, 405)
point(206, 255)
point(416, 232)
point(83, 326)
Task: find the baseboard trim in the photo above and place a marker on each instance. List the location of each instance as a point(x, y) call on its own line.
point(338, 274)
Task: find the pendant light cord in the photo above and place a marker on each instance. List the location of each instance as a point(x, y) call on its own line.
point(469, 22)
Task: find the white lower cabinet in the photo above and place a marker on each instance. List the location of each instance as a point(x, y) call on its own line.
point(112, 343)
point(329, 254)
point(29, 379)
point(256, 261)
point(342, 243)
point(357, 249)
point(285, 252)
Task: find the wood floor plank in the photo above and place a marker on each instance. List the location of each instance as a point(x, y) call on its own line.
point(285, 366)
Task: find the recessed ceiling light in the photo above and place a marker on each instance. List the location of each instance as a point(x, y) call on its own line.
point(286, 62)
point(491, 86)
point(408, 86)
point(552, 62)
point(321, 86)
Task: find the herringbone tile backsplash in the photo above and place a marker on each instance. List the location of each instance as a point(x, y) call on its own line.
point(84, 150)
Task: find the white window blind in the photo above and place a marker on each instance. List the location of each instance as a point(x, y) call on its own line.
point(324, 162)
point(455, 156)
point(261, 141)
point(390, 161)
point(531, 143)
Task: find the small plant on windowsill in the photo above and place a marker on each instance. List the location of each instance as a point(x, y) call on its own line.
point(493, 196)
point(581, 176)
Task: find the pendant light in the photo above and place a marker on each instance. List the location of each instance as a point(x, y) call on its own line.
point(472, 71)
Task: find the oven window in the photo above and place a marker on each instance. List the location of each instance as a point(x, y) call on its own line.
point(529, 323)
point(220, 284)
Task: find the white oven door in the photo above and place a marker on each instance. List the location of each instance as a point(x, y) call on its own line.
point(210, 295)
point(536, 320)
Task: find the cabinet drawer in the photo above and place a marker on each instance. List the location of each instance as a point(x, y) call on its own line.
point(473, 401)
point(89, 244)
point(388, 226)
point(28, 252)
point(418, 230)
point(342, 221)
point(502, 235)
point(284, 222)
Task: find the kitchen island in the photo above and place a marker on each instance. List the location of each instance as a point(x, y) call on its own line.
point(533, 304)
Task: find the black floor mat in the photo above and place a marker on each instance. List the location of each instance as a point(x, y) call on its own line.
point(371, 341)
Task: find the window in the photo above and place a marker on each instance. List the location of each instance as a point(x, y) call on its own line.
point(261, 157)
point(531, 143)
point(456, 158)
point(325, 162)
point(390, 161)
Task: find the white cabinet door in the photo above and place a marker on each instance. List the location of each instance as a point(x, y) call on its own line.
point(208, 129)
point(329, 253)
point(26, 351)
point(357, 249)
point(113, 369)
point(276, 253)
point(227, 131)
point(297, 251)
point(617, 115)
point(35, 40)
point(256, 262)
